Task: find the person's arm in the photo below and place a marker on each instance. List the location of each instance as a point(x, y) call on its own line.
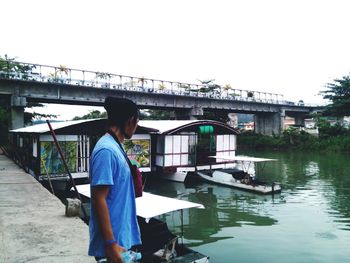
point(99, 195)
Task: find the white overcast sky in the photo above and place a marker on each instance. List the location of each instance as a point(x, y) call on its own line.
point(291, 47)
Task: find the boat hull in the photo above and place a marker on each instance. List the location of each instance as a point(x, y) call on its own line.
point(156, 237)
point(225, 178)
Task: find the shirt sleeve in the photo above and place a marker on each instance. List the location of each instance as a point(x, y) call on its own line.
point(102, 167)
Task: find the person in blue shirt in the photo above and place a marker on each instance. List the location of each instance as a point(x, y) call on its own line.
point(113, 223)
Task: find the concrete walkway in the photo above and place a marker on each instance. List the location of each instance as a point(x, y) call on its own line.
point(33, 227)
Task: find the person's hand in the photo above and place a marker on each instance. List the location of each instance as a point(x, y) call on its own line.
point(114, 253)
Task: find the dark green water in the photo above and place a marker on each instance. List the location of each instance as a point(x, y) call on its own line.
point(308, 222)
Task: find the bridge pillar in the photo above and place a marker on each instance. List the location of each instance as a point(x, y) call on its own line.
point(186, 114)
point(299, 120)
point(268, 123)
point(17, 112)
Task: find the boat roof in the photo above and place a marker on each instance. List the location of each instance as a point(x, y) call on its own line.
point(100, 123)
point(242, 158)
point(174, 126)
point(164, 126)
point(151, 205)
point(43, 127)
point(144, 126)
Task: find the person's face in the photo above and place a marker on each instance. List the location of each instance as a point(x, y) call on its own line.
point(130, 127)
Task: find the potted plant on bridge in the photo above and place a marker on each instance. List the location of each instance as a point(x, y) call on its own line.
point(250, 95)
point(161, 87)
point(226, 88)
point(104, 76)
point(59, 75)
point(143, 81)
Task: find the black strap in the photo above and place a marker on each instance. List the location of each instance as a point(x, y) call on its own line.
point(131, 167)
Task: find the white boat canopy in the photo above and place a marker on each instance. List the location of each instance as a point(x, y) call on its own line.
point(43, 127)
point(100, 123)
point(144, 126)
point(151, 205)
point(174, 126)
point(241, 158)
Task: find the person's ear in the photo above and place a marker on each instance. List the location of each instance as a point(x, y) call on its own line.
point(134, 120)
point(130, 121)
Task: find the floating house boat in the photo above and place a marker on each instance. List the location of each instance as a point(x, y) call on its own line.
point(34, 149)
point(171, 148)
point(180, 147)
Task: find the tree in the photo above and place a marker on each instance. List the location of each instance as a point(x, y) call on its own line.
point(58, 76)
point(104, 76)
point(155, 115)
point(5, 117)
point(9, 67)
point(339, 94)
point(94, 114)
point(143, 81)
point(210, 87)
point(161, 86)
point(216, 116)
point(250, 94)
point(226, 88)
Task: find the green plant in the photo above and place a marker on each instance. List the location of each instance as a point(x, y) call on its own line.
point(161, 86)
point(103, 75)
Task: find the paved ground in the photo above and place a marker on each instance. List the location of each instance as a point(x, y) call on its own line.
point(33, 227)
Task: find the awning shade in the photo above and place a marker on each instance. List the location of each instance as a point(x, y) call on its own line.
point(151, 205)
point(241, 158)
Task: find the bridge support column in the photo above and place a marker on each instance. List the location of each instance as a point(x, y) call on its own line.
point(268, 123)
point(17, 111)
point(299, 120)
point(186, 114)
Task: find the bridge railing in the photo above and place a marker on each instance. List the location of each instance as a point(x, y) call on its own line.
point(77, 77)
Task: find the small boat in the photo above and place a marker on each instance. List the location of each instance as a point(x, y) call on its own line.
point(158, 243)
point(242, 179)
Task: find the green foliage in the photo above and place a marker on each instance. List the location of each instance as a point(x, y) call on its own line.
point(9, 67)
point(334, 138)
point(103, 75)
point(209, 86)
point(250, 94)
point(216, 116)
point(291, 134)
point(258, 141)
point(94, 114)
point(327, 130)
point(155, 115)
point(339, 94)
point(332, 130)
point(5, 118)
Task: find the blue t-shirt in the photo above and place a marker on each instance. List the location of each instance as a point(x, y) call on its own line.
point(109, 167)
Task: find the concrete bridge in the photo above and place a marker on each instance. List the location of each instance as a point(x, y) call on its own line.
point(47, 84)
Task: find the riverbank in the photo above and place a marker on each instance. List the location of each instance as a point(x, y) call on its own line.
point(33, 227)
point(294, 141)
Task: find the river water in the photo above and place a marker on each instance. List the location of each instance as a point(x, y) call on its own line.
point(309, 221)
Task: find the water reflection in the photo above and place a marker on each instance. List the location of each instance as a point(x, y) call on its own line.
point(224, 207)
point(326, 173)
point(308, 222)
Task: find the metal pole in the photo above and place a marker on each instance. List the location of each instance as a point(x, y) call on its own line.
point(182, 226)
point(70, 76)
point(48, 177)
point(65, 165)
